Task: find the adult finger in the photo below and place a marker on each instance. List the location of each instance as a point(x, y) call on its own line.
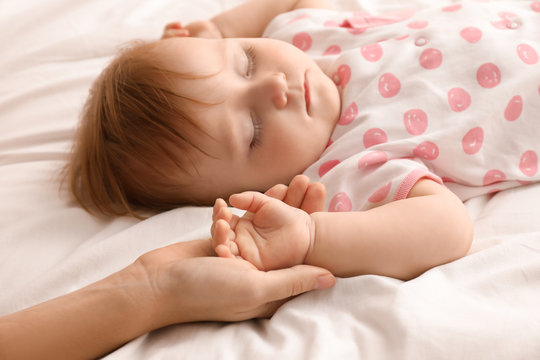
point(285, 283)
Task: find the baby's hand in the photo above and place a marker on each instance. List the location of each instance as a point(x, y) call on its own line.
point(201, 29)
point(270, 235)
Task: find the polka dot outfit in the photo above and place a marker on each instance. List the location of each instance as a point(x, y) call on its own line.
point(450, 93)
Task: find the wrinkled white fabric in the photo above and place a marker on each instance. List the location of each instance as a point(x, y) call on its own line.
point(482, 306)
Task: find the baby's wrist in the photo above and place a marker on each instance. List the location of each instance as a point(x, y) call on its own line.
point(313, 232)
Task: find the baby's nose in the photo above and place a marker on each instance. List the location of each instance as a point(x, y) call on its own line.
point(276, 86)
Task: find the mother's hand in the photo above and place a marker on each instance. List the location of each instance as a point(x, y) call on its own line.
point(190, 284)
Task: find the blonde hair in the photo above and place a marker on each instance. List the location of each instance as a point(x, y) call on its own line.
point(132, 147)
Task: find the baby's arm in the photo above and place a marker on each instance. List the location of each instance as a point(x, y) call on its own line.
point(248, 19)
point(251, 18)
point(401, 239)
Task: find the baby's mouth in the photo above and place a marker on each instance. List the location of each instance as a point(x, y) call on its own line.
point(307, 96)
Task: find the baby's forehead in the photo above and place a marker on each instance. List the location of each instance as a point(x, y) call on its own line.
point(193, 66)
point(193, 55)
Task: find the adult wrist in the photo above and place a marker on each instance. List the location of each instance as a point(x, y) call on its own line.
point(136, 284)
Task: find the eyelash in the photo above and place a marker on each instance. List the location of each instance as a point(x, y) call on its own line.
point(257, 128)
point(250, 53)
point(257, 132)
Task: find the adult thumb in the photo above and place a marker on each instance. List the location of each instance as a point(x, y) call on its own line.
point(285, 283)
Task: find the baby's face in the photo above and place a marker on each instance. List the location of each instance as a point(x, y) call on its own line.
point(274, 110)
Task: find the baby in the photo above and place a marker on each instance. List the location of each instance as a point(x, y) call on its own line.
point(189, 119)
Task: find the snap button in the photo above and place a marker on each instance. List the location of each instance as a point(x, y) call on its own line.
point(421, 41)
point(514, 24)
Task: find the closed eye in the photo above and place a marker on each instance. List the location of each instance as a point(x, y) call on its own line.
point(257, 131)
point(251, 56)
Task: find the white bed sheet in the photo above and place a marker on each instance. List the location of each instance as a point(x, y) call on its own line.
point(485, 305)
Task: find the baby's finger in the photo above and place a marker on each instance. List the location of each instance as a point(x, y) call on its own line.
point(218, 204)
point(223, 251)
point(250, 201)
point(224, 214)
point(223, 240)
point(172, 33)
point(297, 190)
point(174, 25)
point(315, 198)
point(278, 191)
point(221, 233)
point(233, 221)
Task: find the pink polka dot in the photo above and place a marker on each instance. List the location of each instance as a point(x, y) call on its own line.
point(535, 6)
point(402, 37)
point(528, 164)
point(458, 99)
point(327, 166)
point(493, 176)
point(488, 75)
point(349, 115)
point(374, 137)
point(451, 8)
point(514, 108)
point(527, 54)
point(372, 52)
point(381, 193)
point(344, 75)
point(340, 203)
point(372, 158)
point(302, 41)
point(427, 151)
point(472, 141)
point(332, 50)
point(416, 121)
point(430, 59)
point(418, 24)
point(389, 85)
point(471, 34)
